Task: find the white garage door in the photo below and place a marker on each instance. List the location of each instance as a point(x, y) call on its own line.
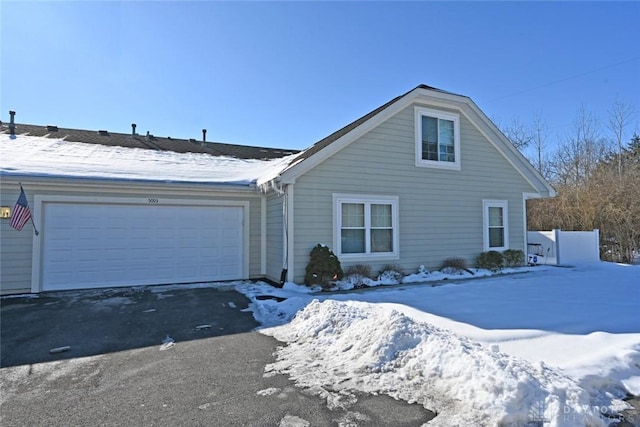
point(104, 245)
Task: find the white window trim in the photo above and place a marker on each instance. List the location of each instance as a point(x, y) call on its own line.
point(486, 204)
point(338, 199)
point(420, 162)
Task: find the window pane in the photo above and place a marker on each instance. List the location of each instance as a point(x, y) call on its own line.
point(352, 241)
point(496, 237)
point(429, 129)
point(446, 131)
point(447, 152)
point(352, 215)
point(381, 215)
point(429, 151)
point(429, 138)
point(495, 217)
point(381, 240)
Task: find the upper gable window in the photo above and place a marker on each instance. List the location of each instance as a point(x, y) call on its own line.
point(437, 139)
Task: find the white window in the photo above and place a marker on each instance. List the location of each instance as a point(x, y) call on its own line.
point(496, 225)
point(365, 226)
point(437, 139)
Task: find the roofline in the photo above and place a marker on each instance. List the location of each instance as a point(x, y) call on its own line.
point(150, 142)
point(46, 179)
point(514, 156)
point(38, 177)
point(420, 94)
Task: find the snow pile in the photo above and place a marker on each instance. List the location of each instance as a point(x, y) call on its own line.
point(337, 346)
point(38, 156)
point(277, 306)
point(580, 321)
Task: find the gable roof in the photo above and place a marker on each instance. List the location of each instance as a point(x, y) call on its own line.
point(295, 163)
point(150, 142)
point(421, 94)
point(351, 126)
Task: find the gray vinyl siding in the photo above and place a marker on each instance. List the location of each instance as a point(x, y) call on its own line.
point(440, 211)
point(255, 235)
point(274, 236)
point(16, 247)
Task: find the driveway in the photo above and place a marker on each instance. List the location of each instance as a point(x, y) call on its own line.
point(158, 356)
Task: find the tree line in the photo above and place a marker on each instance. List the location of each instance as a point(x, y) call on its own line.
point(595, 170)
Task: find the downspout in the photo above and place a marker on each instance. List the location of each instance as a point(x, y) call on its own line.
point(285, 237)
point(289, 230)
point(281, 191)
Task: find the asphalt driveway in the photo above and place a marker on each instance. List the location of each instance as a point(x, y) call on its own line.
point(157, 356)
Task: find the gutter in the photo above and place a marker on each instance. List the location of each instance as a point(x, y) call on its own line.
point(88, 181)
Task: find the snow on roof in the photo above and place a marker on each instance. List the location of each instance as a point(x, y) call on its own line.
point(46, 157)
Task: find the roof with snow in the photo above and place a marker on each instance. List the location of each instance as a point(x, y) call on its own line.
point(157, 158)
point(40, 156)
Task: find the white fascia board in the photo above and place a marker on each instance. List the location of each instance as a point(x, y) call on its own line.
point(124, 186)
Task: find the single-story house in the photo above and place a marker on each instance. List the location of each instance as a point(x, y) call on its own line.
point(425, 177)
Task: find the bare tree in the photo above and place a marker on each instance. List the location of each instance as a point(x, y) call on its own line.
point(576, 158)
point(620, 116)
point(539, 144)
point(518, 134)
point(597, 182)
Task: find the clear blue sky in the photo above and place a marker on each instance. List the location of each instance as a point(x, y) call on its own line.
point(286, 74)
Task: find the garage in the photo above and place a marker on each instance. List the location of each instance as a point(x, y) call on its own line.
point(88, 245)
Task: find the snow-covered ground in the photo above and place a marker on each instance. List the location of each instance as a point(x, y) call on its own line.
point(552, 346)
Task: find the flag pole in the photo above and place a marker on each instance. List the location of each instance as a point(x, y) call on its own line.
point(35, 230)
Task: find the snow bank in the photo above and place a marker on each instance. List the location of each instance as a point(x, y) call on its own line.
point(342, 346)
point(424, 276)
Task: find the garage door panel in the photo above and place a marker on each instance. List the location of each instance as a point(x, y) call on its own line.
point(99, 245)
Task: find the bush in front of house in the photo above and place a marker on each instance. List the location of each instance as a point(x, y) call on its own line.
point(454, 266)
point(390, 274)
point(513, 258)
point(324, 266)
point(491, 260)
point(358, 275)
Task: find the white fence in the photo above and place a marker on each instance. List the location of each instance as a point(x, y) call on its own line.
point(563, 247)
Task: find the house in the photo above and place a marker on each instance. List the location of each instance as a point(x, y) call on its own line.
point(424, 177)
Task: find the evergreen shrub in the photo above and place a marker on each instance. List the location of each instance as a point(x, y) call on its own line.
point(323, 267)
point(513, 258)
point(491, 260)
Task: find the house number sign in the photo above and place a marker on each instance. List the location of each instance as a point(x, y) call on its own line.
point(153, 201)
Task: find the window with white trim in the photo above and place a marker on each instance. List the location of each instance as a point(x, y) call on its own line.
point(366, 226)
point(496, 225)
point(437, 139)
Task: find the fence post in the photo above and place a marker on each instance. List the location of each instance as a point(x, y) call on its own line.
point(556, 237)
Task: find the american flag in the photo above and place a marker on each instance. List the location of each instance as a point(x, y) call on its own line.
point(21, 213)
